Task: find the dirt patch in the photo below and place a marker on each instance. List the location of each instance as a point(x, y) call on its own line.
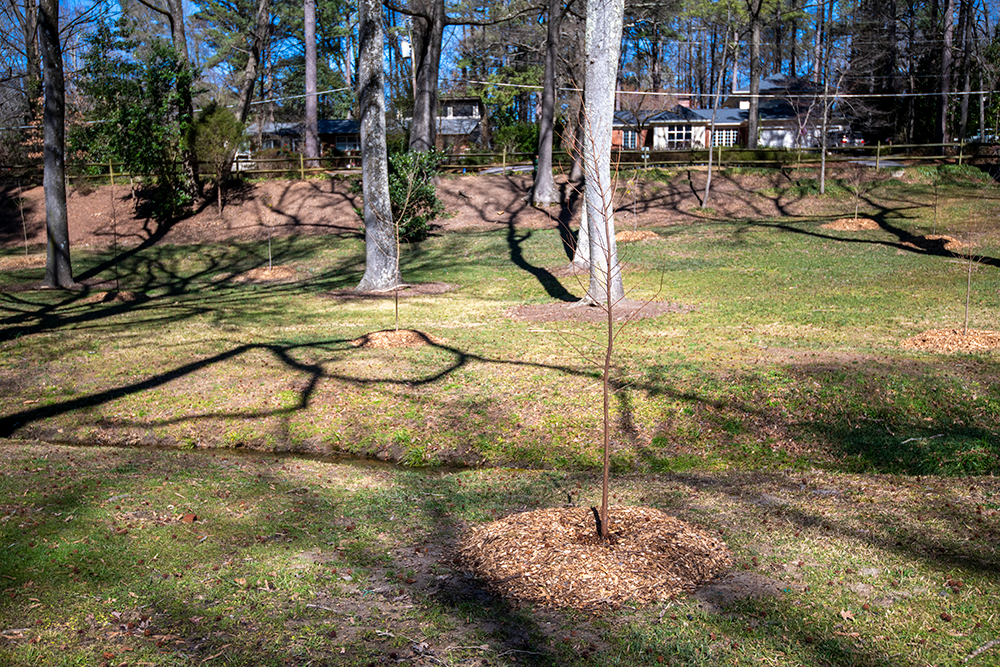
point(953, 340)
point(637, 235)
point(114, 296)
point(851, 225)
point(102, 216)
point(395, 338)
point(724, 591)
point(624, 310)
point(15, 262)
point(552, 557)
point(264, 275)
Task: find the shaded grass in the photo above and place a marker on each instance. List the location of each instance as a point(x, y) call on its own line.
point(294, 561)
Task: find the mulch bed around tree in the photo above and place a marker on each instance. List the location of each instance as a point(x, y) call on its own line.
point(553, 557)
point(623, 311)
point(630, 235)
point(272, 274)
point(394, 338)
point(953, 340)
point(851, 224)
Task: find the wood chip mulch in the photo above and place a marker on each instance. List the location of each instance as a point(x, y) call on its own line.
point(395, 338)
point(274, 274)
point(637, 235)
point(953, 340)
point(15, 262)
point(851, 225)
point(552, 557)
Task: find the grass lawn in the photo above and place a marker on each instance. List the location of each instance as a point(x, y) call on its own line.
point(854, 478)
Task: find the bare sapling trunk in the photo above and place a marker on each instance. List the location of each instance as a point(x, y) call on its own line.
point(381, 243)
point(715, 109)
point(603, 42)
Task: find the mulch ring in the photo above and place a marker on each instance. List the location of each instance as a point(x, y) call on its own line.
point(405, 290)
point(553, 557)
point(383, 340)
point(851, 224)
point(624, 310)
point(17, 262)
point(636, 235)
point(272, 274)
point(953, 340)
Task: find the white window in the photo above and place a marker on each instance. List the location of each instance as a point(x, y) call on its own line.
point(346, 143)
point(630, 139)
point(724, 137)
point(678, 136)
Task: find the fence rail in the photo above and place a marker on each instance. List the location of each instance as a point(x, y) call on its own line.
point(298, 166)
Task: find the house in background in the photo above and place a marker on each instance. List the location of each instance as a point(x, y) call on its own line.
point(679, 128)
point(342, 135)
point(461, 123)
point(790, 112)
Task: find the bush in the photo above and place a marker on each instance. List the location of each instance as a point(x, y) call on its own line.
point(411, 189)
point(516, 138)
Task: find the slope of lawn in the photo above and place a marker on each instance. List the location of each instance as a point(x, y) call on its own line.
point(853, 478)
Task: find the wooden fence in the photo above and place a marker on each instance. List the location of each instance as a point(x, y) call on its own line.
point(297, 166)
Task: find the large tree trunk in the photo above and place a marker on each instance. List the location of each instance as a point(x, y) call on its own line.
point(33, 60)
point(544, 191)
point(381, 247)
point(58, 270)
point(427, 35)
point(312, 117)
point(754, 7)
point(258, 43)
point(604, 29)
point(946, 60)
point(186, 120)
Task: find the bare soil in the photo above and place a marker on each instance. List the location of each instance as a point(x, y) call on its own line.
point(105, 215)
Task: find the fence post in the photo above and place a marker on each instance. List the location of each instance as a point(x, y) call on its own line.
point(878, 154)
point(111, 171)
point(302, 166)
point(961, 150)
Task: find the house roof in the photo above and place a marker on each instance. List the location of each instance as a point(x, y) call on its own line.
point(338, 126)
point(724, 116)
point(458, 126)
point(678, 114)
point(783, 84)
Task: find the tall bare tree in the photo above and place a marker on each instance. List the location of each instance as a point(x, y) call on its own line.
point(604, 33)
point(381, 244)
point(258, 41)
point(58, 268)
point(312, 114)
point(174, 13)
point(544, 190)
